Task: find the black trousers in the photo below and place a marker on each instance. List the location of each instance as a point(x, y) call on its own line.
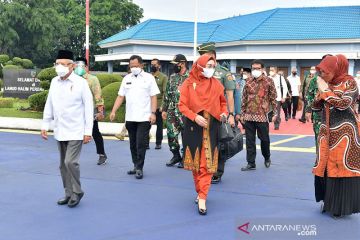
point(98, 139)
point(286, 106)
point(221, 167)
point(159, 127)
point(262, 130)
point(138, 131)
point(295, 103)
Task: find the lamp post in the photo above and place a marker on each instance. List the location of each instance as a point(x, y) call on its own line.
point(87, 32)
point(195, 29)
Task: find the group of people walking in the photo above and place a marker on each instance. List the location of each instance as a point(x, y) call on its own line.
point(194, 103)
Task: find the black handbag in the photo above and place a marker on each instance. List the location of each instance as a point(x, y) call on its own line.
point(225, 132)
point(231, 148)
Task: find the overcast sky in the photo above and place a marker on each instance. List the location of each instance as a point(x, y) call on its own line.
point(183, 10)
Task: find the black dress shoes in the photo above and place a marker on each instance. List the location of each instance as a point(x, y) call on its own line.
point(202, 211)
point(215, 179)
point(131, 172)
point(248, 167)
point(180, 165)
point(158, 146)
point(267, 163)
point(139, 174)
point(63, 201)
point(302, 120)
point(75, 199)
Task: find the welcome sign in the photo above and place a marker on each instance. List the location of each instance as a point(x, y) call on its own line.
point(20, 83)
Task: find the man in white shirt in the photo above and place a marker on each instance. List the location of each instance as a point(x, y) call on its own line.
point(140, 90)
point(70, 105)
point(281, 92)
point(295, 84)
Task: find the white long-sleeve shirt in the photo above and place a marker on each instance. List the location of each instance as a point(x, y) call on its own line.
point(295, 84)
point(138, 91)
point(276, 80)
point(70, 105)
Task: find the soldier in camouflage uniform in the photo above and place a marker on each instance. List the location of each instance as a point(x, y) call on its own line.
point(94, 85)
point(170, 110)
point(161, 80)
point(314, 116)
point(226, 78)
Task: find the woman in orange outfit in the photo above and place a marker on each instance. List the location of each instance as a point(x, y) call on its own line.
point(203, 104)
point(337, 167)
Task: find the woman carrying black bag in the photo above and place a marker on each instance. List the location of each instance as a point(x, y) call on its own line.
point(203, 104)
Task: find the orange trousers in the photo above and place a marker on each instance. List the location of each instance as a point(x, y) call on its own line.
point(202, 179)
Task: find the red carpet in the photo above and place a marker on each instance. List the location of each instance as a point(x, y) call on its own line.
point(292, 126)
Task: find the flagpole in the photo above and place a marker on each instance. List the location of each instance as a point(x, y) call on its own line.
point(87, 32)
point(195, 29)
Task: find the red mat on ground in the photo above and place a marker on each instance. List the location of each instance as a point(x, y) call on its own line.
point(292, 126)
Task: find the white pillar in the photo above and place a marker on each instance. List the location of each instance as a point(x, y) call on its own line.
point(351, 67)
point(233, 66)
point(110, 66)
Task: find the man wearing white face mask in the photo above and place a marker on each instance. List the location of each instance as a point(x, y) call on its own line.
point(70, 105)
point(259, 97)
point(281, 93)
point(140, 90)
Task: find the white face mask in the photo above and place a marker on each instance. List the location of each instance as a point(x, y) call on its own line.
point(271, 73)
point(61, 70)
point(256, 73)
point(358, 75)
point(245, 77)
point(135, 70)
point(208, 72)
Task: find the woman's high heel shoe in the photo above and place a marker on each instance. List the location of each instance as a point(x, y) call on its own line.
point(202, 207)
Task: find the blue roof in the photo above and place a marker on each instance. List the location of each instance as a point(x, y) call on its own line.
point(276, 24)
point(164, 30)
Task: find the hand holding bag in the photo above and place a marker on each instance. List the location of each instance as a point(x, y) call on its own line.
point(225, 132)
point(235, 145)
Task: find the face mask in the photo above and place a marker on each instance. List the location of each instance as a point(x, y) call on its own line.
point(135, 70)
point(244, 77)
point(177, 69)
point(358, 75)
point(61, 70)
point(294, 73)
point(271, 73)
point(80, 71)
point(312, 71)
point(256, 73)
point(153, 69)
point(208, 72)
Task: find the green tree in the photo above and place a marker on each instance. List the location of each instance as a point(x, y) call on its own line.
point(36, 29)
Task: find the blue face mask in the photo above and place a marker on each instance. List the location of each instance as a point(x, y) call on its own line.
point(80, 71)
